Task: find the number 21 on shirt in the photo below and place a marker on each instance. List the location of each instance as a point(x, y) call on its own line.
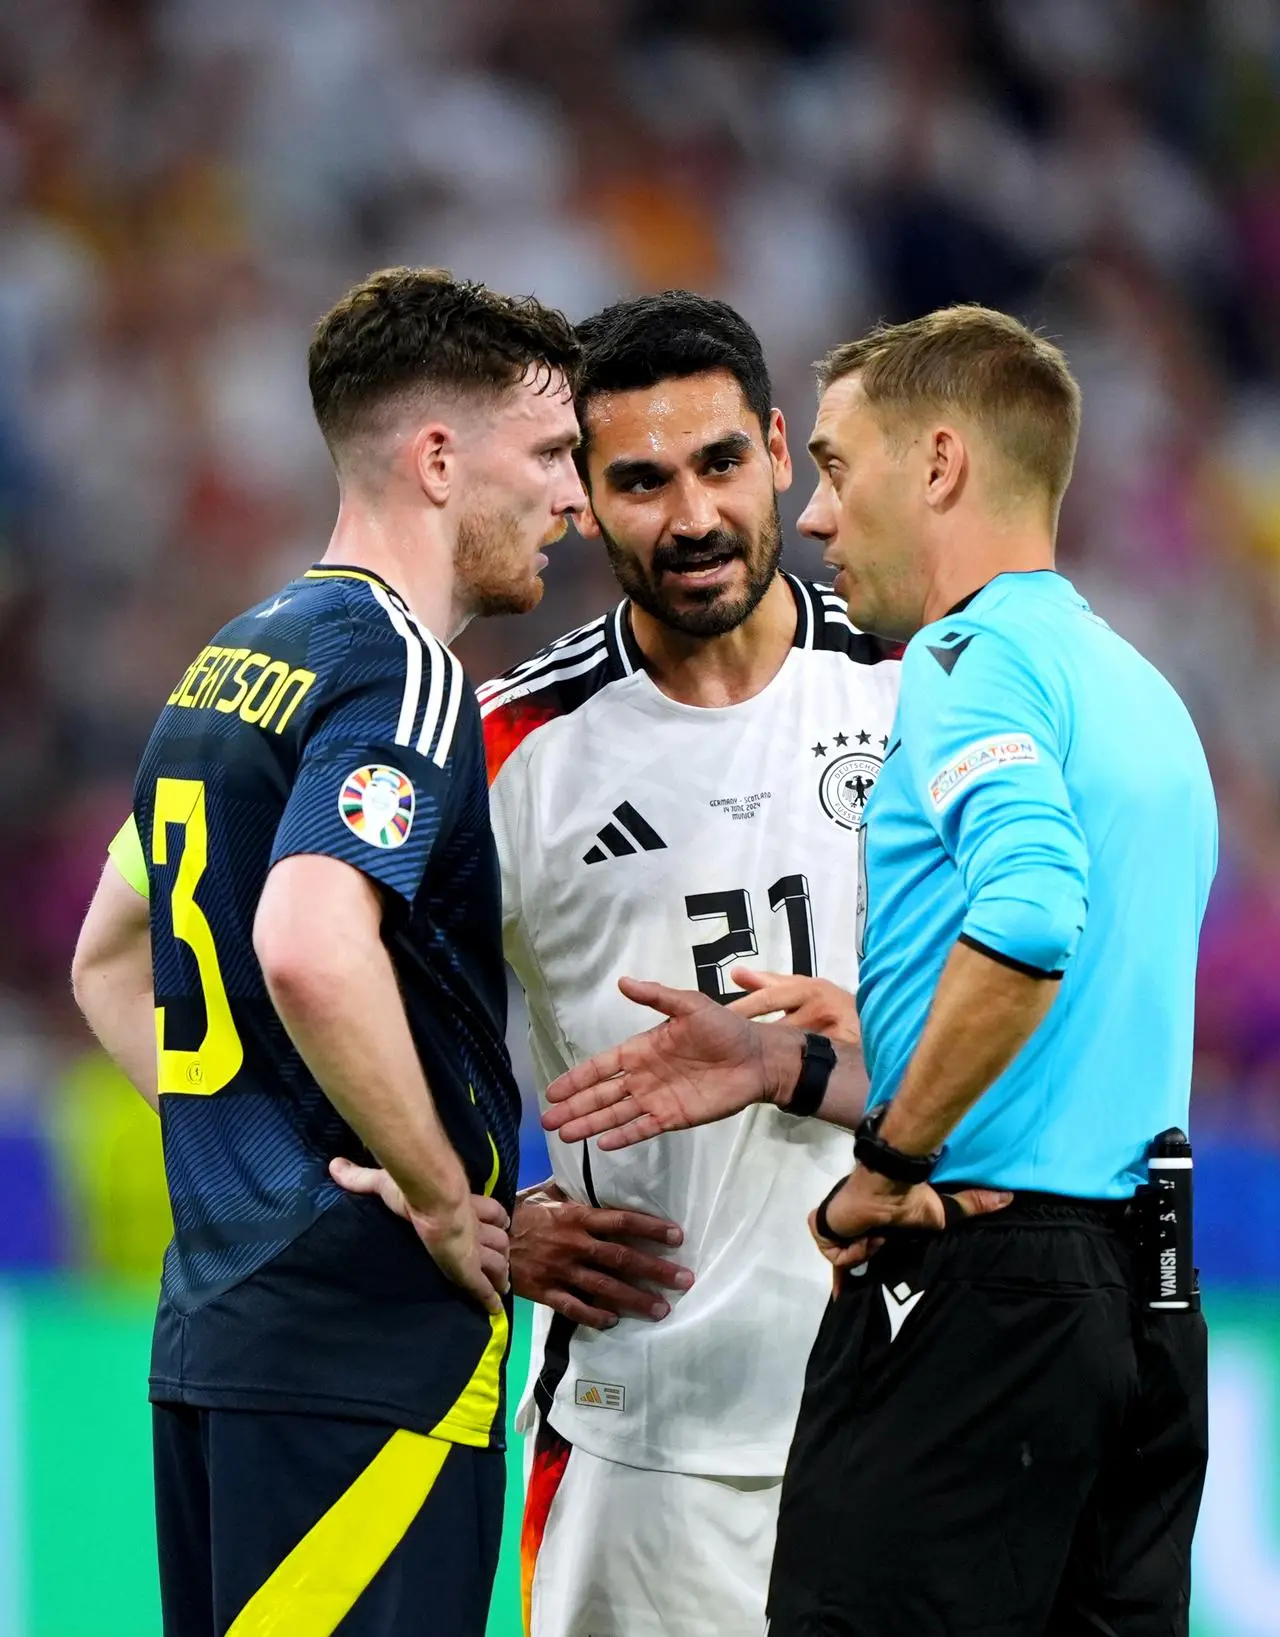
point(789, 893)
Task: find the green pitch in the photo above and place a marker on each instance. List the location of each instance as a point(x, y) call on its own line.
point(80, 1504)
point(77, 1540)
point(504, 1612)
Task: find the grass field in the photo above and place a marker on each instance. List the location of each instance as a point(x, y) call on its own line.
point(77, 1541)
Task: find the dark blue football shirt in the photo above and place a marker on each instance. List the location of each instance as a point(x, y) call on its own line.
point(325, 720)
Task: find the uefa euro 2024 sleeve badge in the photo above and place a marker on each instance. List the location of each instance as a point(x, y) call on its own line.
point(376, 803)
point(847, 779)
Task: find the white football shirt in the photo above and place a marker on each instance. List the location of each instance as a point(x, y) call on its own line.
point(646, 837)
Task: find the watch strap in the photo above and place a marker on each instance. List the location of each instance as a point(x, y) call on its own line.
point(873, 1153)
point(817, 1059)
point(825, 1230)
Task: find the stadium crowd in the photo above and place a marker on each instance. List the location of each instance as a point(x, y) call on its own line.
point(184, 187)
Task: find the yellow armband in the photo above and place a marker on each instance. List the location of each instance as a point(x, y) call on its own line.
point(126, 852)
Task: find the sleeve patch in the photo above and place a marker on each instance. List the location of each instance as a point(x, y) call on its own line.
point(376, 803)
point(976, 760)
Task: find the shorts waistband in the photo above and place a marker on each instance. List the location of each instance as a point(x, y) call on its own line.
point(1030, 1206)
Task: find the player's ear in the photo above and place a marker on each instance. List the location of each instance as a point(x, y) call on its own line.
point(947, 460)
point(587, 523)
point(779, 454)
point(435, 457)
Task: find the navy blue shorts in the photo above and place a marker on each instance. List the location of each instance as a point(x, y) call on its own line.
point(274, 1522)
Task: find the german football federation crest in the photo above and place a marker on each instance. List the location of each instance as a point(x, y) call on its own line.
point(845, 785)
point(376, 804)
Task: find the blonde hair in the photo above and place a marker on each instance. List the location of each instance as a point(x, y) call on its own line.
point(1015, 386)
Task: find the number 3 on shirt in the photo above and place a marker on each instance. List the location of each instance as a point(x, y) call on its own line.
point(216, 1060)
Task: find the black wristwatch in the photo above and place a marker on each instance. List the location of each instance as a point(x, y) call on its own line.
point(817, 1060)
point(873, 1153)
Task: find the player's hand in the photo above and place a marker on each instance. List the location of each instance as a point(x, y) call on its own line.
point(576, 1259)
point(469, 1242)
point(703, 1064)
point(868, 1202)
point(807, 1003)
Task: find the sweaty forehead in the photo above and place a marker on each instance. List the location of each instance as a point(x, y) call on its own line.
point(669, 421)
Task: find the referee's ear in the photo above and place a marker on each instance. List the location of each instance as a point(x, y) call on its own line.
point(947, 463)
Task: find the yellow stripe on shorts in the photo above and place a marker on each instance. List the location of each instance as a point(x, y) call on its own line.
point(318, 1584)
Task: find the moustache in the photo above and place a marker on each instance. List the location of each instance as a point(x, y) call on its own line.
point(718, 547)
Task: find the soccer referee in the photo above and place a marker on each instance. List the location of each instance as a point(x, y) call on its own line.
point(1000, 1433)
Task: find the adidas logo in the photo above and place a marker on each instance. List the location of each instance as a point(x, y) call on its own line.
point(600, 1395)
point(630, 832)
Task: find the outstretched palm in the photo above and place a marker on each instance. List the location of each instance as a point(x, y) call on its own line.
point(703, 1064)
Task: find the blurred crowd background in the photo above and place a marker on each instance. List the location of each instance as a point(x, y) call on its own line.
point(185, 186)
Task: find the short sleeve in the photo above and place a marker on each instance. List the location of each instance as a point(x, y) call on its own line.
point(985, 741)
point(507, 727)
point(125, 851)
point(374, 784)
point(505, 781)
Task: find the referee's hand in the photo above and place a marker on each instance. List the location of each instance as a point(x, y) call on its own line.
point(868, 1203)
point(577, 1259)
point(470, 1245)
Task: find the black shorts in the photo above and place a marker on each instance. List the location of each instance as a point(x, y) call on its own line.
point(996, 1440)
point(278, 1522)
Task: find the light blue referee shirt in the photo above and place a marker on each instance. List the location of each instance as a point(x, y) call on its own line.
point(1044, 797)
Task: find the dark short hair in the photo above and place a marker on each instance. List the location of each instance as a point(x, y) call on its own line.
point(413, 329)
point(1014, 384)
point(636, 344)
